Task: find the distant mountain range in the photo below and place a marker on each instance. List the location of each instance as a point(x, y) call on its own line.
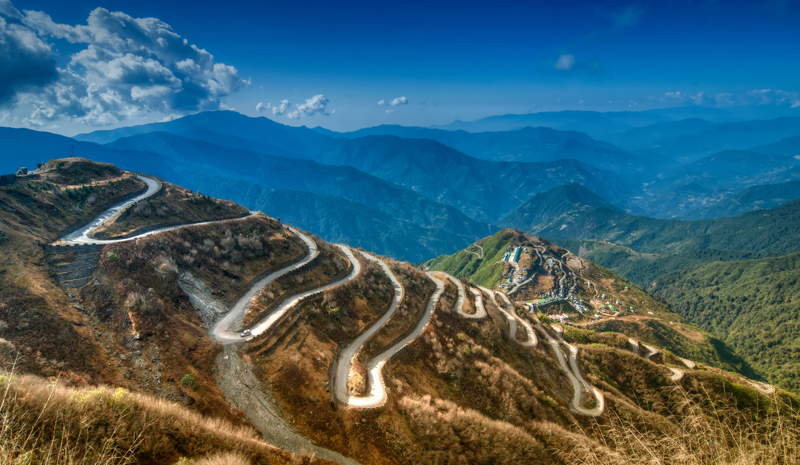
point(459, 182)
point(583, 215)
point(753, 198)
point(483, 190)
point(531, 144)
point(690, 140)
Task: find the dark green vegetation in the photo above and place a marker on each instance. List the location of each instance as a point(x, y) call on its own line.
point(706, 270)
point(654, 323)
point(764, 233)
point(754, 306)
point(643, 268)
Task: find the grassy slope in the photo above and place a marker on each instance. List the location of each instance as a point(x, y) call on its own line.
point(751, 305)
point(46, 423)
point(486, 271)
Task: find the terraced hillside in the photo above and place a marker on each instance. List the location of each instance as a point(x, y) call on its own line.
point(335, 354)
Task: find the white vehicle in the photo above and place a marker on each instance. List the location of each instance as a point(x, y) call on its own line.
point(245, 333)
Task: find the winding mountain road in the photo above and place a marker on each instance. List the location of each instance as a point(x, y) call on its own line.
point(235, 376)
point(480, 310)
point(377, 393)
point(84, 234)
point(574, 376)
point(475, 253)
point(531, 339)
point(222, 331)
point(479, 313)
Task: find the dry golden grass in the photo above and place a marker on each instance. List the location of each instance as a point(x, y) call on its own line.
point(709, 432)
point(46, 423)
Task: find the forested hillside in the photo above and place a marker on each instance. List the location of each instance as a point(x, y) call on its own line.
point(752, 305)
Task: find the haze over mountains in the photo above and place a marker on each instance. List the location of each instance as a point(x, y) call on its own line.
point(419, 186)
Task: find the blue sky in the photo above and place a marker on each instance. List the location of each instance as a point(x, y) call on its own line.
point(334, 61)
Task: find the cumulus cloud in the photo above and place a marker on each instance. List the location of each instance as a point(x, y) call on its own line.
point(129, 67)
point(399, 101)
point(726, 99)
point(313, 106)
point(389, 111)
point(282, 108)
point(565, 62)
point(26, 62)
point(261, 108)
point(381, 102)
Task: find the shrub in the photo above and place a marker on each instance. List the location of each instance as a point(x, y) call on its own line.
point(187, 380)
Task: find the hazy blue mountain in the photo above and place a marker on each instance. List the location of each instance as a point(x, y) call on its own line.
point(753, 198)
point(657, 136)
point(482, 189)
point(302, 175)
point(730, 136)
point(713, 114)
point(25, 147)
point(229, 129)
point(596, 124)
point(540, 144)
point(731, 169)
point(789, 147)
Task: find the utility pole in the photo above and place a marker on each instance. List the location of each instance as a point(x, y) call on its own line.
point(73, 150)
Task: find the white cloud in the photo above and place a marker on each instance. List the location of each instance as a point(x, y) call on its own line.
point(389, 111)
point(565, 62)
point(727, 99)
point(399, 101)
point(130, 67)
point(261, 108)
point(282, 109)
point(381, 102)
point(8, 10)
point(313, 106)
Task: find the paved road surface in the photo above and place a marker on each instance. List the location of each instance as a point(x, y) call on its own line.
point(530, 340)
point(480, 310)
point(634, 345)
point(82, 235)
point(349, 352)
point(461, 297)
point(577, 380)
point(377, 395)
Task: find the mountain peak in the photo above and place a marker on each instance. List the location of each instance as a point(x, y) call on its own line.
point(547, 205)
